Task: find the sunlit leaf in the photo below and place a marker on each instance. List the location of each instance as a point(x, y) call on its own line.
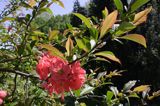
point(45, 10)
point(32, 3)
point(59, 2)
point(128, 86)
point(54, 51)
point(138, 3)
point(141, 16)
point(109, 55)
point(135, 38)
point(108, 23)
point(119, 5)
point(114, 90)
point(141, 88)
point(86, 90)
point(84, 19)
point(69, 46)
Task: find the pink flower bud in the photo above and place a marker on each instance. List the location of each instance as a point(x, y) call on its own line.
point(3, 94)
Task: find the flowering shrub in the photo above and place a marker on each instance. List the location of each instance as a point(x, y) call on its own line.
point(59, 76)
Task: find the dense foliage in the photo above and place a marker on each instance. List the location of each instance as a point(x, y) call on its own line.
point(45, 61)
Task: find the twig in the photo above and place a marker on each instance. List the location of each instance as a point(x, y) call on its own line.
point(15, 84)
point(18, 73)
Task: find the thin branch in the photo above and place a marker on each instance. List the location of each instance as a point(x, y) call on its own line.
point(15, 84)
point(18, 73)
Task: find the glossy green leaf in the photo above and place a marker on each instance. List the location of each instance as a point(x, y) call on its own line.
point(135, 38)
point(84, 19)
point(81, 44)
point(138, 3)
point(54, 51)
point(124, 28)
point(109, 55)
point(119, 5)
point(108, 23)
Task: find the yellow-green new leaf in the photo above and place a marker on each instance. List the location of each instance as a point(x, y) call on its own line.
point(69, 46)
point(141, 16)
point(84, 19)
point(141, 88)
point(32, 3)
point(52, 34)
point(135, 38)
point(105, 12)
point(54, 51)
point(60, 3)
point(108, 23)
point(109, 55)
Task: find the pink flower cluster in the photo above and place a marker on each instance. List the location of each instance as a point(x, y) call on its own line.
point(3, 94)
point(59, 77)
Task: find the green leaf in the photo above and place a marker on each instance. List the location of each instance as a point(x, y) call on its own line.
point(7, 19)
point(109, 55)
point(135, 38)
point(87, 90)
point(128, 86)
point(93, 33)
point(105, 12)
point(84, 19)
point(119, 5)
point(137, 3)
point(109, 96)
point(45, 10)
point(124, 28)
point(108, 23)
point(54, 51)
point(81, 44)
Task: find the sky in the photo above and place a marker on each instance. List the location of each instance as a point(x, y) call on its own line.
point(68, 6)
point(57, 10)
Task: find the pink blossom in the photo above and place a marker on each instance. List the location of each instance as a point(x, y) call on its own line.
point(3, 94)
point(1, 101)
point(63, 77)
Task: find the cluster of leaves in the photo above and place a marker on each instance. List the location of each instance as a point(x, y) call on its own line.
point(22, 43)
